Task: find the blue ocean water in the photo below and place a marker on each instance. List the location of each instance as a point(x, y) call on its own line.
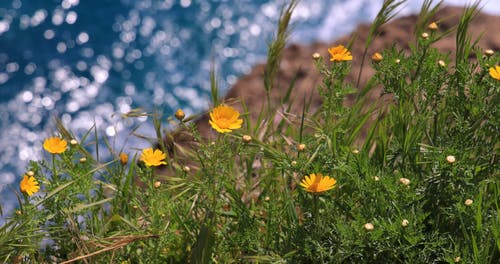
point(88, 62)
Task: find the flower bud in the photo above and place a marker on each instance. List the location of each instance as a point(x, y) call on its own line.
point(468, 202)
point(442, 63)
point(316, 56)
point(186, 169)
point(73, 142)
point(246, 138)
point(301, 147)
point(376, 178)
point(451, 159)
point(294, 163)
point(457, 259)
point(123, 158)
point(397, 60)
point(405, 223)
point(157, 184)
point(267, 198)
point(369, 227)
point(355, 151)
point(425, 35)
point(83, 160)
point(30, 173)
point(433, 26)
point(179, 114)
point(404, 181)
point(377, 57)
point(489, 52)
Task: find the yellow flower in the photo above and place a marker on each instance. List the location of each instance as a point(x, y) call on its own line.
point(495, 72)
point(55, 145)
point(317, 183)
point(153, 158)
point(29, 185)
point(340, 53)
point(225, 118)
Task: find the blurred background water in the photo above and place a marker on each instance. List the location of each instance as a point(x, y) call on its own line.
point(90, 61)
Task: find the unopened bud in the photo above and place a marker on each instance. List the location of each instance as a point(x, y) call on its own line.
point(267, 198)
point(457, 259)
point(123, 158)
point(405, 223)
point(83, 160)
point(397, 60)
point(425, 35)
point(376, 178)
point(442, 63)
point(179, 114)
point(246, 138)
point(294, 163)
point(489, 52)
point(316, 56)
point(468, 202)
point(157, 184)
point(404, 181)
point(450, 159)
point(30, 173)
point(355, 151)
point(433, 26)
point(377, 57)
point(369, 227)
point(301, 147)
point(186, 169)
point(73, 142)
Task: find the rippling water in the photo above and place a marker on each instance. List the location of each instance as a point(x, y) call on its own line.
point(87, 62)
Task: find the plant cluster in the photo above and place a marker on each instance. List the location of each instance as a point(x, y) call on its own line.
point(421, 186)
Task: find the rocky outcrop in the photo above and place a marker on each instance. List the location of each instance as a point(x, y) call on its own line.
point(297, 59)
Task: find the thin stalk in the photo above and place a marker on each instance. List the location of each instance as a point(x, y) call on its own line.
point(54, 174)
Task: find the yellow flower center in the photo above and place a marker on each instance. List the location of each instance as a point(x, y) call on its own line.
point(224, 122)
point(315, 184)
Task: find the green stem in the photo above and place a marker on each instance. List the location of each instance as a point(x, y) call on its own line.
point(54, 173)
point(420, 62)
point(315, 211)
